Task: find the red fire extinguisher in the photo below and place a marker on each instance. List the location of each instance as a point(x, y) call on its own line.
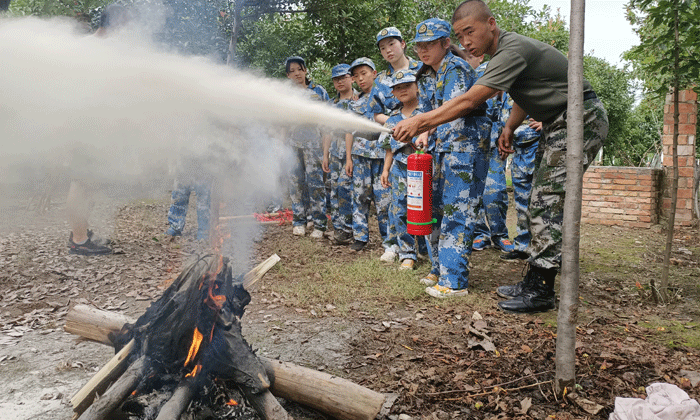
point(420, 198)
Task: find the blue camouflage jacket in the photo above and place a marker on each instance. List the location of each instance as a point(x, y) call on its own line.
point(454, 77)
point(309, 136)
point(365, 144)
point(387, 141)
point(382, 100)
point(338, 137)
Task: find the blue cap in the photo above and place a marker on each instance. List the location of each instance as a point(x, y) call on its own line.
point(432, 29)
point(402, 76)
point(340, 70)
point(295, 59)
point(390, 32)
point(362, 61)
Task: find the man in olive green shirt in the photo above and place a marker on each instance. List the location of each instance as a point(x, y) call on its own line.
point(535, 75)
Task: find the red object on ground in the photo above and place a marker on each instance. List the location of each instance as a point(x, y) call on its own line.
point(419, 181)
point(282, 216)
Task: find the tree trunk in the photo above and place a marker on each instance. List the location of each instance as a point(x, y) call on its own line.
point(663, 285)
point(235, 32)
point(565, 376)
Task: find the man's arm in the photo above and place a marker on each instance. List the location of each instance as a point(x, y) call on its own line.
point(450, 110)
point(505, 141)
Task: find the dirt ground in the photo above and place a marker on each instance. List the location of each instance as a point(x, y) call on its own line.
point(461, 359)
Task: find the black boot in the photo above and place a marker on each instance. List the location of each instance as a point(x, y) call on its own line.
point(538, 297)
point(517, 289)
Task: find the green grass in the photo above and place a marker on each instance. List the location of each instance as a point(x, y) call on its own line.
point(673, 333)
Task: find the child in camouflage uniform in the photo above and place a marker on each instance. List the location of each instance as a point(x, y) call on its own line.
point(334, 157)
point(405, 90)
point(391, 45)
point(306, 188)
point(367, 162)
point(460, 160)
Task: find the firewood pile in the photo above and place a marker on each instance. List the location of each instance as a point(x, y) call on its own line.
point(185, 357)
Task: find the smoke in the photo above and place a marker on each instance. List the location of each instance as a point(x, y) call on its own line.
point(112, 108)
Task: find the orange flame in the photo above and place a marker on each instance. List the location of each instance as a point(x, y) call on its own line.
point(194, 372)
point(194, 348)
point(231, 402)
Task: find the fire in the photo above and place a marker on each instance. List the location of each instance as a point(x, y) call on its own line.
point(194, 372)
point(194, 348)
point(231, 402)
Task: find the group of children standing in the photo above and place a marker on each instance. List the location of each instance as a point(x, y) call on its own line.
point(368, 167)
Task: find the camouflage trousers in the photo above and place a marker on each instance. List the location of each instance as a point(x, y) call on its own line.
point(306, 188)
point(546, 209)
point(397, 236)
point(180, 201)
point(458, 184)
point(341, 196)
point(521, 169)
point(367, 187)
point(492, 216)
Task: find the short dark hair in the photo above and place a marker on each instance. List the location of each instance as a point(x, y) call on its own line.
point(472, 7)
point(288, 63)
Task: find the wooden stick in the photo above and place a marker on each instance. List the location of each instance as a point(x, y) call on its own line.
point(118, 392)
point(266, 405)
point(248, 216)
point(259, 271)
point(178, 403)
point(99, 383)
point(332, 395)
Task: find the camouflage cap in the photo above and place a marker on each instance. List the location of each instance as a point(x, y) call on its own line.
point(295, 59)
point(402, 76)
point(362, 61)
point(390, 32)
point(432, 29)
point(340, 70)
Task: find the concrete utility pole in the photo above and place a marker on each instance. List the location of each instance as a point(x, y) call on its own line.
point(565, 376)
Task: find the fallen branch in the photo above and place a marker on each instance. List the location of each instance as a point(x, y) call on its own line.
point(453, 391)
point(498, 390)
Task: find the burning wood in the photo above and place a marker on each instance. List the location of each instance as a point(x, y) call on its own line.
point(193, 333)
point(332, 395)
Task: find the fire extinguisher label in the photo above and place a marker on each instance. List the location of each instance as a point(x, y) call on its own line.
point(415, 190)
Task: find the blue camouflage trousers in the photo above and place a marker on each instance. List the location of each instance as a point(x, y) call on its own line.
point(522, 167)
point(397, 236)
point(458, 184)
point(180, 201)
point(306, 188)
point(367, 187)
point(492, 216)
point(341, 195)
point(546, 209)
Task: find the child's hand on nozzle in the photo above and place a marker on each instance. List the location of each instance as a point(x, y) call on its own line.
point(422, 141)
point(385, 179)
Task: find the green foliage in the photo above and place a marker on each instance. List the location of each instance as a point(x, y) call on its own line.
point(613, 87)
point(82, 10)
point(653, 58)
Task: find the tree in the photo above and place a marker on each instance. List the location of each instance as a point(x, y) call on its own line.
point(565, 376)
point(667, 58)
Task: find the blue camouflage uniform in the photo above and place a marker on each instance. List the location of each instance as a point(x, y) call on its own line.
point(397, 234)
point(492, 217)
point(368, 164)
point(381, 100)
point(522, 168)
point(460, 162)
point(341, 183)
point(306, 187)
point(191, 178)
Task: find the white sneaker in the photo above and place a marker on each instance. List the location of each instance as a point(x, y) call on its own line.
point(310, 224)
point(429, 280)
point(388, 256)
point(316, 234)
point(442, 292)
point(299, 231)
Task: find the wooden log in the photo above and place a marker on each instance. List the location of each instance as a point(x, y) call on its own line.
point(117, 393)
point(259, 271)
point(266, 405)
point(335, 396)
point(94, 324)
point(99, 383)
point(329, 394)
point(178, 403)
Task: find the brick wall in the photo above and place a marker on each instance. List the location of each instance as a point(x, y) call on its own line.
point(687, 110)
point(624, 196)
